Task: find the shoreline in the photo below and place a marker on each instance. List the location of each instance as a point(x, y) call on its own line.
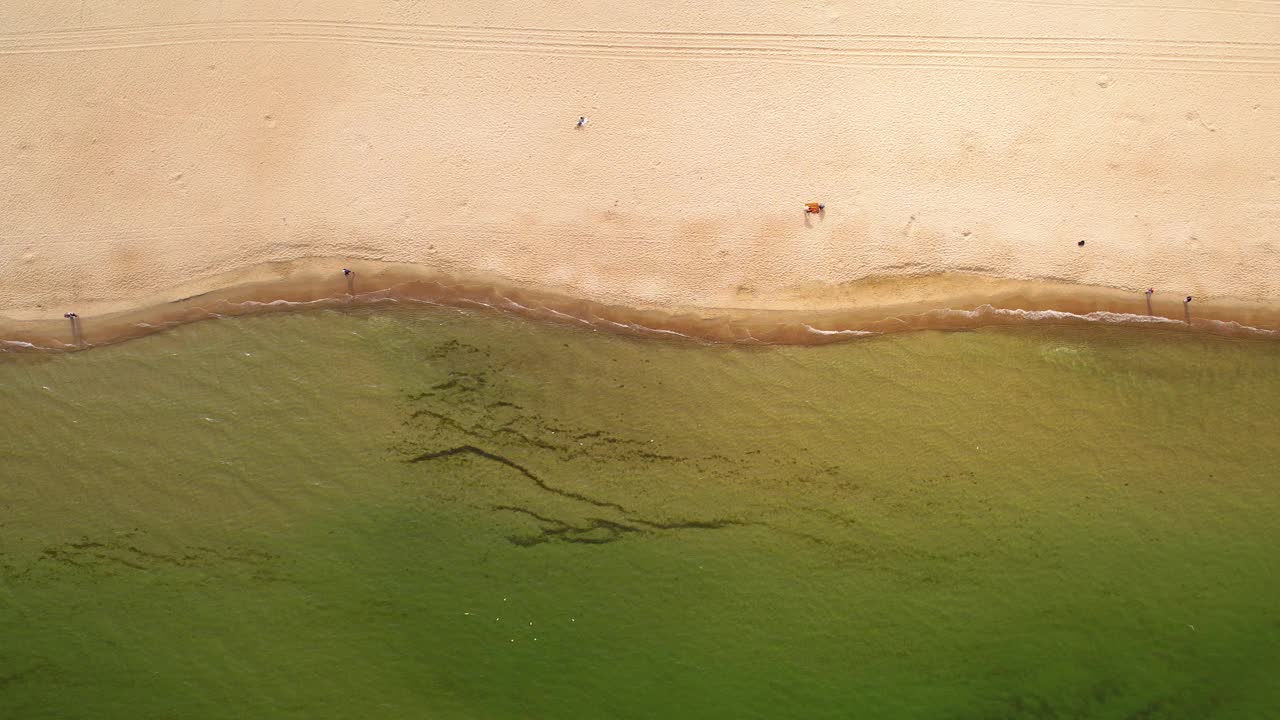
point(806, 315)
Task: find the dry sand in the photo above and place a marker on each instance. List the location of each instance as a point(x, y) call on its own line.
point(154, 151)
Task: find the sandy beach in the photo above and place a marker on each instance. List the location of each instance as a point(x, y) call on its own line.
point(962, 150)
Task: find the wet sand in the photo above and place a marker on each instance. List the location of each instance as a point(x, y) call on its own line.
point(804, 315)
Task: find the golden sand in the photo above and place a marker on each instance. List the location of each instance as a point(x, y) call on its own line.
point(157, 151)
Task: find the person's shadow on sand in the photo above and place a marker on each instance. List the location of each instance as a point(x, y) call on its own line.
point(77, 332)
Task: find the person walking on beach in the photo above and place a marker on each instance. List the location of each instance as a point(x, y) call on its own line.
point(346, 272)
point(1188, 300)
point(582, 122)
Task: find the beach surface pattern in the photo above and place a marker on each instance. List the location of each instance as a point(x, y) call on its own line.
point(154, 152)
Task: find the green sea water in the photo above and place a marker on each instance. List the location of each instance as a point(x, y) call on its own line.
point(453, 514)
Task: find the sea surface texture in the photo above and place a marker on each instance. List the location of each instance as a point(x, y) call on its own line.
point(435, 513)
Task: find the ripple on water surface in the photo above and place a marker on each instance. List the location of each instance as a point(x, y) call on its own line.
point(462, 514)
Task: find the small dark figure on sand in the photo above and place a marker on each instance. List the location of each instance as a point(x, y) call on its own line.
point(1080, 244)
point(1151, 291)
point(346, 272)
point(1188, 299)
point(582, 122)
point(70, 316)
point(814, 208)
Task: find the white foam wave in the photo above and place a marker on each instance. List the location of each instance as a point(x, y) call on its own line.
point(512, 303)
point(567, 316)
point(1104, 316)
point(283, 303)
point(635, 327)
point(157, 326)
point(850, 333)
point(660, 331)
point(1232, 325)
point(21, 344)
point(420, 301)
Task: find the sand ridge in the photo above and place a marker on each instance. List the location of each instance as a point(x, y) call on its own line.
point(154, 152)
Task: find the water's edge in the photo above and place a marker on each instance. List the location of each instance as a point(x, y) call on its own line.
point(937, 302)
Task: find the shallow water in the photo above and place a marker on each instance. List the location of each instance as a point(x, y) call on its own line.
point(460, 514)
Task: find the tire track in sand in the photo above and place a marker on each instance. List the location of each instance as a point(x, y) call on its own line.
point(833, 50)
point(1144, 7)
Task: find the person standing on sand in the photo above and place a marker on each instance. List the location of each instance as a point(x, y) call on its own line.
point(75, 327)
point(582, 122)
point(1188, 300)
